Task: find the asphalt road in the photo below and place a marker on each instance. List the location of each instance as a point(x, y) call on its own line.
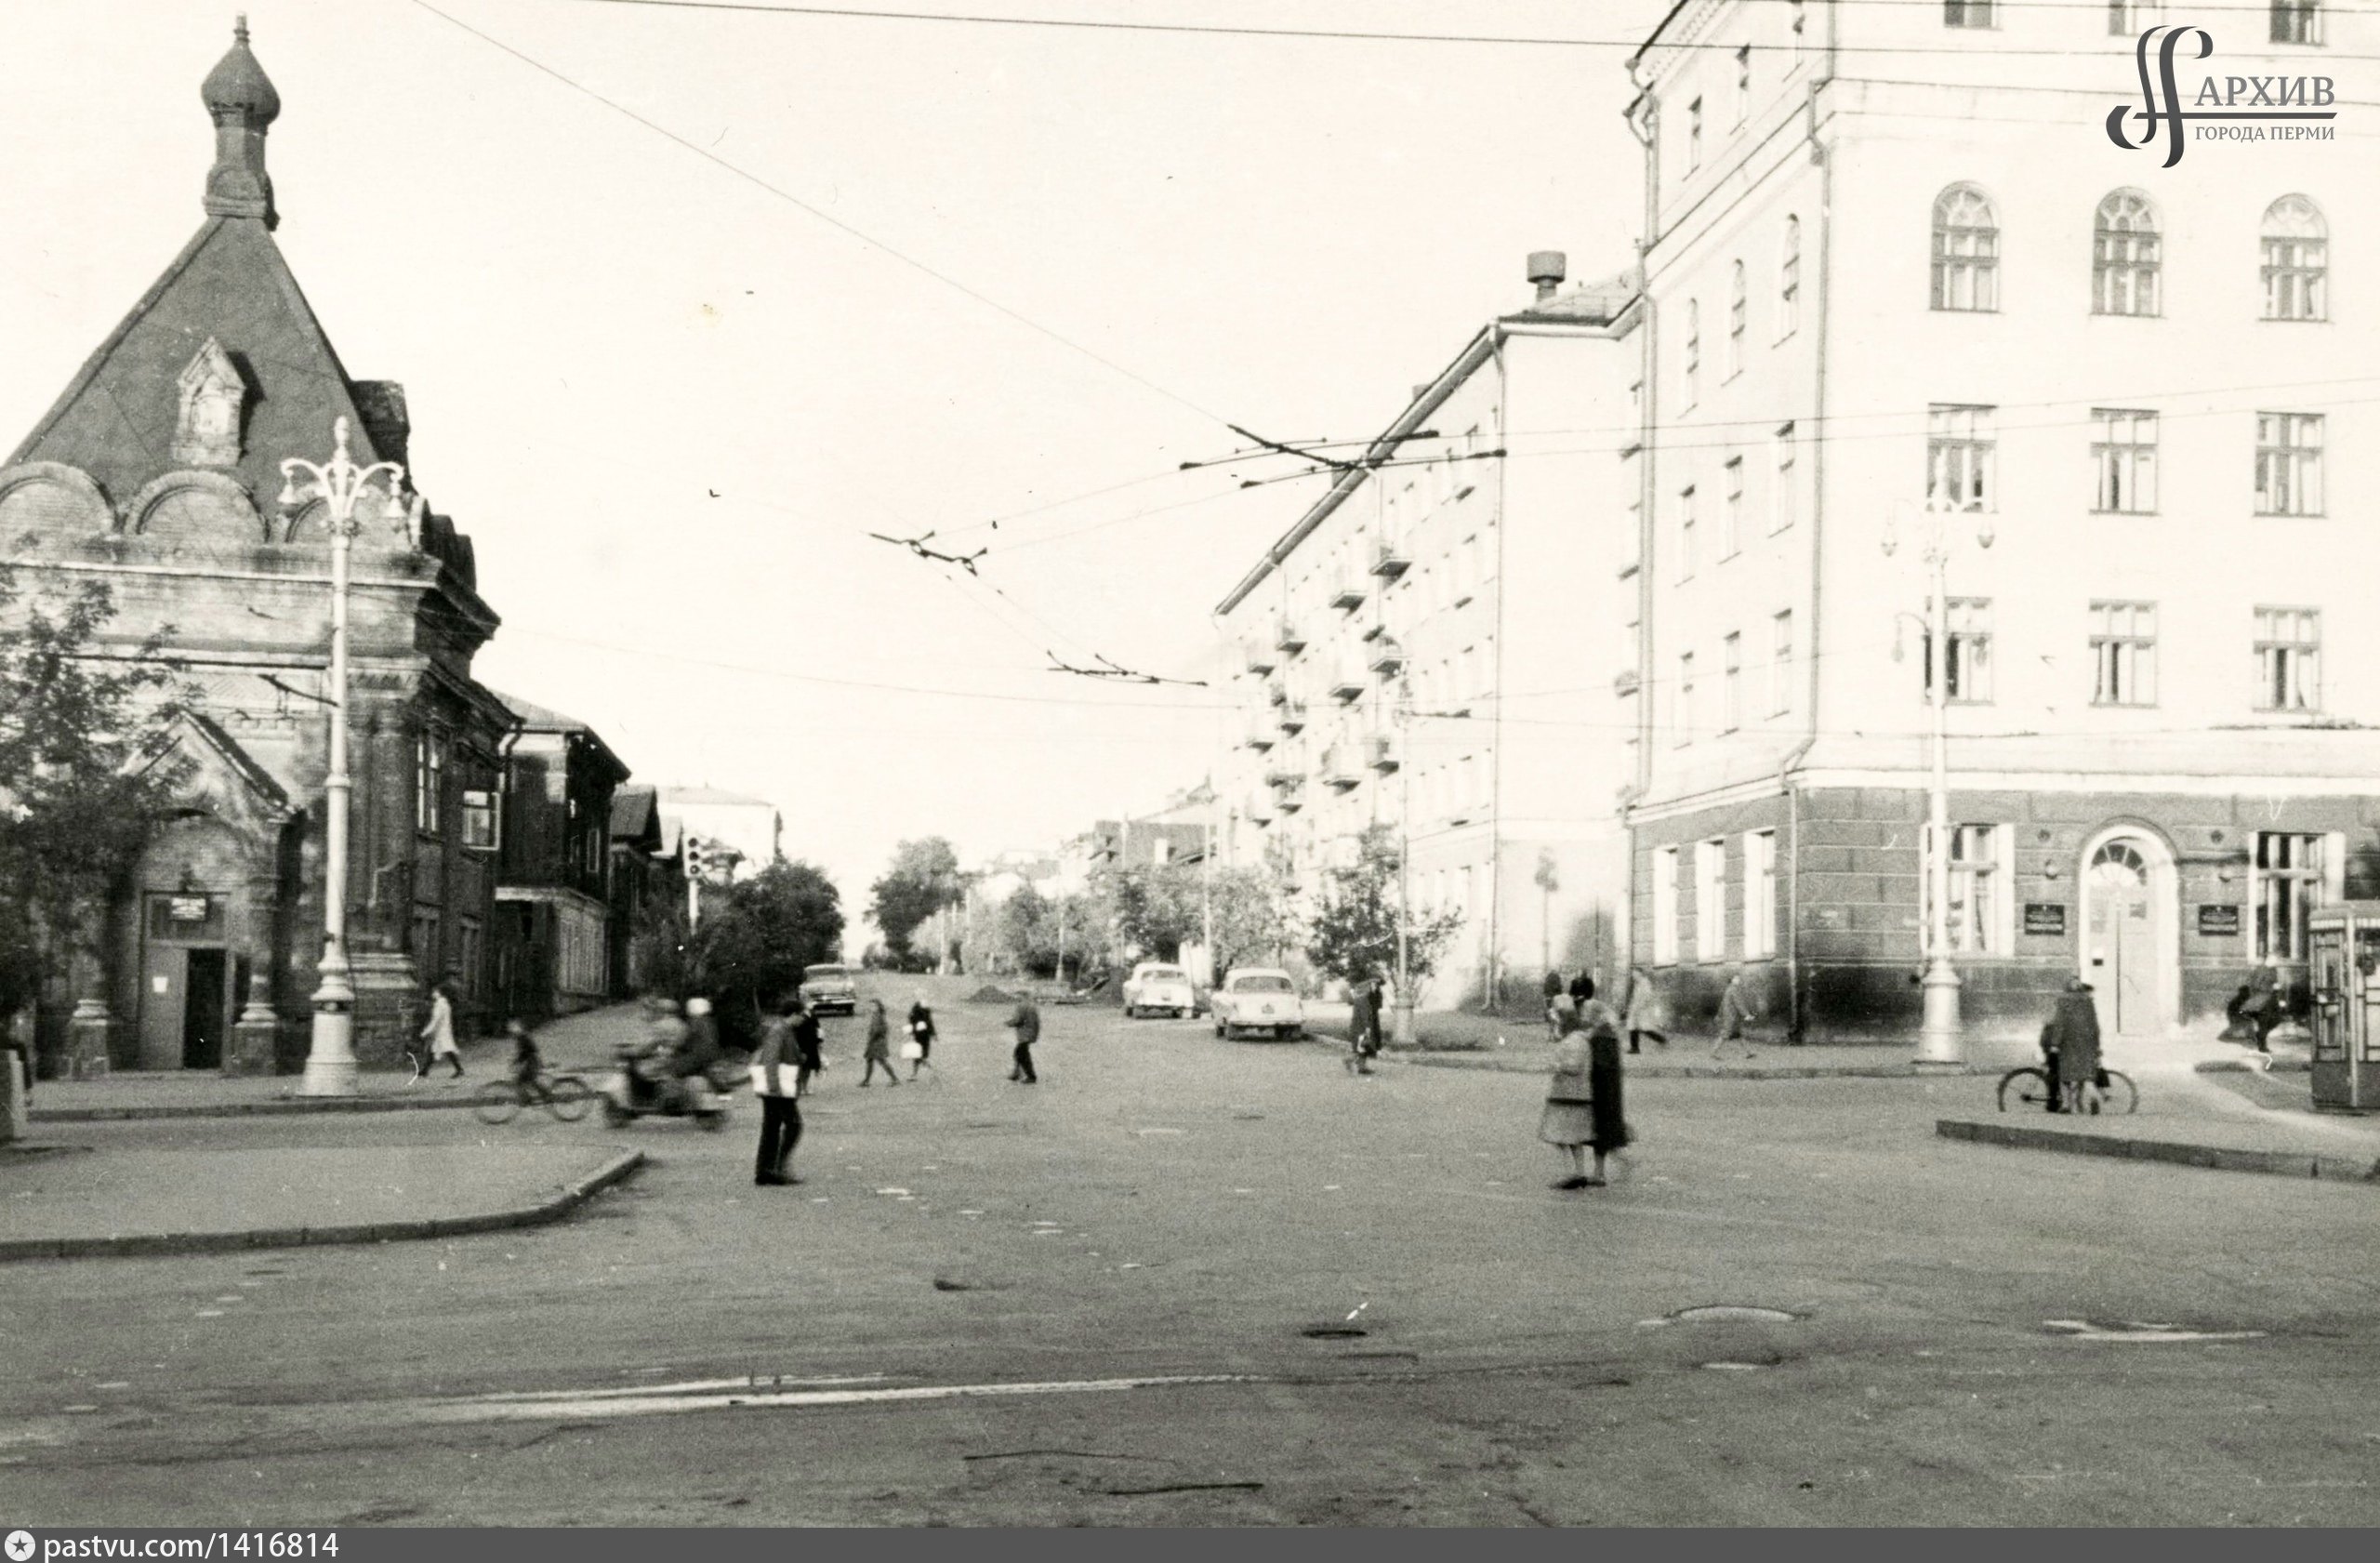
point(1124, 1296)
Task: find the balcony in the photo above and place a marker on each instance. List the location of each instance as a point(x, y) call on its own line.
point(1288, 641)
point(1388, 751)
point(1293, 716)
point(1340, 770)
point(1277, 692)
point(1388, 658)
point(1290, 796)
point(1260, 808)
point(1283, 768)
point(1262, 659)
point(1390, 560)
point(1350, 595)
point(1349, 684)
point(1258, 738)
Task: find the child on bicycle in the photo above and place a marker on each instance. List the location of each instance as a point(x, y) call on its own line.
point(528, 1064)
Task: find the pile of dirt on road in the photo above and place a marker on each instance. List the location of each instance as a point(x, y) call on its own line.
point(988, 994)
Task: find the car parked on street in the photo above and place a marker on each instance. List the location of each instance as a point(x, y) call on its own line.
point(1257, 999)
point(829, 987)
point(1156, 988)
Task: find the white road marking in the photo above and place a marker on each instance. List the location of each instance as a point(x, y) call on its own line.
point(581, 1405)
point(691, 1386)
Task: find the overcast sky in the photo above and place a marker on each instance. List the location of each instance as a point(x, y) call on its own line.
point(669, 404)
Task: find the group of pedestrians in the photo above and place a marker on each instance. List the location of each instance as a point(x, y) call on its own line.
point(789, 1058)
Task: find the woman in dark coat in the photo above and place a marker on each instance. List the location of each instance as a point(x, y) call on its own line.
point(1582, 1101)
point(2074, 1030)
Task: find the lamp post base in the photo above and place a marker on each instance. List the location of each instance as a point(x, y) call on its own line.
point(1401, 1030)
point(330, 1062)
point(1939, 1045)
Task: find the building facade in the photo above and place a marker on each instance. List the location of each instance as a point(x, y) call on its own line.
point(156, 473)
point(647, 896)
point(1907, 297)
point(554, 943)
point(1432, 647)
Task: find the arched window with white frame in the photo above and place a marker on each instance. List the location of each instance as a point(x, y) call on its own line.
point(1967, 251)
point(2125, 258)
point(2296, 253)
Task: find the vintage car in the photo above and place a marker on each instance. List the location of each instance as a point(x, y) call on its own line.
point(1154, 988)
point(1255, 999)
point(829, 987)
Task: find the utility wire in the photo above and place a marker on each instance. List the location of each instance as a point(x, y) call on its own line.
point(830, 220)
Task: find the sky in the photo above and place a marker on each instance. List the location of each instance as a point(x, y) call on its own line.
point(848, 276)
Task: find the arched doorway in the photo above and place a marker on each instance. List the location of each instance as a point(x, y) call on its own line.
point(2128, 946)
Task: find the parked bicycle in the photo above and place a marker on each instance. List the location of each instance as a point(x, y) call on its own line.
point(565, 1096)
point(2031, 1086)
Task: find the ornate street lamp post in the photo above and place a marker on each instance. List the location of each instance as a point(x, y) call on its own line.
point(1939, 1045)
point(341, 485)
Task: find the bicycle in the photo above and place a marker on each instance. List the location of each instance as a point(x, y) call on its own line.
point(2029, 1085)
point(565, 1096)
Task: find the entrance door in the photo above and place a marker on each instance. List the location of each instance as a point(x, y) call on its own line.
point(205, 1009)
point(2123, 941)
point(165, 1004)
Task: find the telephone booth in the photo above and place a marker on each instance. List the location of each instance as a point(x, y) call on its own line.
point(2344, 974)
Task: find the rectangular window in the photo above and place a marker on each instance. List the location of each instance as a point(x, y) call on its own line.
point(1686, 541)
point(2123, 458)
point(1968, 13)
point(2286, 884)
point(2124, 258)
point(1780, 664)
point(1690, 374)
point(1684, 703)
point(1731, 683)
point(1665, 906)
point(1781, 498)
point(2289, 659)
point(1743, 84)
point(1737, 313)
point(1976, 889)
point(2289, 464)
point(1960, 446)
point(1760, 894)
point(2296, 256)
point(1731, 519)
point(481, 812)
point(1694, 136)
point(2129, 19)
point(2296, 21)
point(429, 782)
point(1970, 659)
point(2123, 653)
point(1711, 901)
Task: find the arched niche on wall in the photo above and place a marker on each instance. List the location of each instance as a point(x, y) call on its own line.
point(196, 507)
point(43, 502)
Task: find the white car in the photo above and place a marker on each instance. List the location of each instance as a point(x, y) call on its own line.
point(1155, 987)
point(1257, 999)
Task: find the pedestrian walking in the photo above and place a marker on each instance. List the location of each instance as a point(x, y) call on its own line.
point(2074, 1027)
point(2262, 1008)
point(1025, 1021)
point(810, 1063)
point(439, 1030)
point(1647, 1011)
point(1553, 991)
point(1583, 1107)
point(879, 1045)
point(1363, 1027)
point(1739, 1007)
point(776, 1080)
point(919, 1049)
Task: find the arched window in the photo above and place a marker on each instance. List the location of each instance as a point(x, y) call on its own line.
point(1693, 352)
point(2124, 256)
point(1734, 320)
point(2297, 260)
point(1788, 280)
point(1966, 250)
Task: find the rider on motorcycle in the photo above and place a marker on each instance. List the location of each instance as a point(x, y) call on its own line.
point(652, 1063)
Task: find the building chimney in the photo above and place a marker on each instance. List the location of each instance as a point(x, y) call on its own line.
point(1546, 268)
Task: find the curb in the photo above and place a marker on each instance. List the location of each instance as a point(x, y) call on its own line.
point(148, 1245)
point(278, 1106)
point(2181, 1153)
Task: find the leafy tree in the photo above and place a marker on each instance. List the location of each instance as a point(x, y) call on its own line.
point(1354, 931)
point(756, 938)
point(1154, 908)
point(923, 880)
point(1255, 917)
point(83, 776)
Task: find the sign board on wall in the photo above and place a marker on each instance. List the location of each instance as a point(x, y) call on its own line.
point(2218, 922)
point(2045, 917)
point(187, 908)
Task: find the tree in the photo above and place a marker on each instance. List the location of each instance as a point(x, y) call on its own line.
point(1254, 917)
point(1353, 932)
point(923, 881)
point(84, 777)
point(1156, 907)
point(755, 941)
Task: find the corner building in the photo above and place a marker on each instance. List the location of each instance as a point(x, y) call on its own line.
point(1895, 260)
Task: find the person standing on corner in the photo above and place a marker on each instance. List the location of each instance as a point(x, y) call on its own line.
point(2075, 1029)
point(776, 1080)
point(921, 1038)
point(1363, 1027)
point(810, 1062)
point(1739, 1007)
point(1025, 1021)
point(2262, 1006)
point(1647, 1016)
point(439, 1030)
point(879, 1045)
point(1583, 1108)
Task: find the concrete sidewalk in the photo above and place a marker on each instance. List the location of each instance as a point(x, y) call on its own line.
point(577, 1042)
point(65, 1202)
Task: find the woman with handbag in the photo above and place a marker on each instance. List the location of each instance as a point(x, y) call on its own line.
point(879, 1045)
point(919, 1049)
